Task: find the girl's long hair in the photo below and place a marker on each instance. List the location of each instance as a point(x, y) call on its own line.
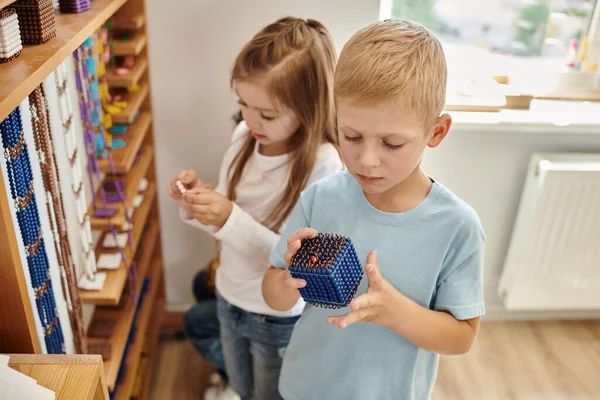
point(297, 57)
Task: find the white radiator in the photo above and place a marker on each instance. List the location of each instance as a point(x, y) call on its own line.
point(553, 261)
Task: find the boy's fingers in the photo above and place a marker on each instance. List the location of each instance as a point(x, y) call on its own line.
point(291, 251)
point(301, 234)
point(363, 301)
point(343, 321)
point(295, 283)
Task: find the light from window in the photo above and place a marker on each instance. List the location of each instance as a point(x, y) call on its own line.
point(529, 40)
point(527, 28)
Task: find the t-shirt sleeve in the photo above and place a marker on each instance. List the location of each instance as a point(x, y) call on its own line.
point(460, 284)
point(299, 218)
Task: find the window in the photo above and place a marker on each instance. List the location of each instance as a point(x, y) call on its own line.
point(530, 41)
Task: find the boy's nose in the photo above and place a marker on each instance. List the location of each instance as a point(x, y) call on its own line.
point(368, 158)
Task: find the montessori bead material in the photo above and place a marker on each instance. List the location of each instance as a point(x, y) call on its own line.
point(330, 266)
point(20, 178)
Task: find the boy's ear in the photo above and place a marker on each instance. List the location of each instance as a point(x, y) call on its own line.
point(440, 130)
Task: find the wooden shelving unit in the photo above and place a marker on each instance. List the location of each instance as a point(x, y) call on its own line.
point(133, 352)
point(132, 78)
point(116, 279)
point(134, 101)
point(125, 320)
point(134, 137)
point(130, 22)
point(19, 77)
point(146, 325)
point(133, 180)
point(132, 46)
point(69, 376)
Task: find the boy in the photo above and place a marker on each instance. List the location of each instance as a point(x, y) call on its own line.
point(422, 293)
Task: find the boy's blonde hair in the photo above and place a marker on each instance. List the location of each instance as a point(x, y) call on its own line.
point(297, 57)
point(394, 60)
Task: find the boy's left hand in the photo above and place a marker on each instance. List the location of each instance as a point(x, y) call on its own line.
point(378, 305)
point(207, 206)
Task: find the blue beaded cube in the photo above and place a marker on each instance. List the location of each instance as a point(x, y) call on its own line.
point(330, 266)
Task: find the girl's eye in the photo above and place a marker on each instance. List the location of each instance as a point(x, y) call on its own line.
point(241, 103)
point(267, 118)
point(352, 138)
point(393, 146)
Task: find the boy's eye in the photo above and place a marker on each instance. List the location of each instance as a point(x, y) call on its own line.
point(393, 146)
point(352, 138)
point(241, 103)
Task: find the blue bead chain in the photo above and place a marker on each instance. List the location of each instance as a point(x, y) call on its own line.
point(20, 176)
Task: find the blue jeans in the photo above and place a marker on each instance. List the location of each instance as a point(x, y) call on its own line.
point(253, 347)
point(201, 325)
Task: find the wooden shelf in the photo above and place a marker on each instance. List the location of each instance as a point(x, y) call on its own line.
point(570, 95)
point(124, 319)
point(144, 324)
point(69, 376)
point(154, 334)
point(133, 179)
point(111, 292)
point(134, 103)
point(123, 158)
point(4, 3)
point(134, 76)
point(131, 47)
point(133, 22)
point(21, 76)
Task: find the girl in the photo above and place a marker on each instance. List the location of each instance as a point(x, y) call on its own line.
point(286, 141)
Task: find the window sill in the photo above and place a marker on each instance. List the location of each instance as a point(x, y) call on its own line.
point(544, 116)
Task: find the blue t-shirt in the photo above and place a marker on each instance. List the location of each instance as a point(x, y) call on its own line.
point(432, 254)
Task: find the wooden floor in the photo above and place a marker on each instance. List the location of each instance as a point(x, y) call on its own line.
point(510, 361)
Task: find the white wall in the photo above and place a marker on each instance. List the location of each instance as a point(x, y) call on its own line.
point(488, 169)
point(192, 48)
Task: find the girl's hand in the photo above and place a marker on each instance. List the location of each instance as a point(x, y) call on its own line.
point(294, 243)
point(189, 179)
point(207, 206)
point(380, 305)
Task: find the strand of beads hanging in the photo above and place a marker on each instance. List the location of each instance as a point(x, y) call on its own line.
point(91, 279)
point(44, 144)
point(20, 176)
point(90, 110)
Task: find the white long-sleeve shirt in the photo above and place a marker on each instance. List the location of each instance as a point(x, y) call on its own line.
point(246, 244)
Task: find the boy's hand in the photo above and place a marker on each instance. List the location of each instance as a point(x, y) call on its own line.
point(294, 243)
point(207, 206)
point(190, 180)
point(377, 306)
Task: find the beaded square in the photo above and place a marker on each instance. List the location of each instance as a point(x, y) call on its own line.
point(330, 266)
point(10, 36)
point(37, 20)
point(74, 6)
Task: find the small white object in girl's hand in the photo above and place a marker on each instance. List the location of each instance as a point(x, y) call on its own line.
point(180, 187)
